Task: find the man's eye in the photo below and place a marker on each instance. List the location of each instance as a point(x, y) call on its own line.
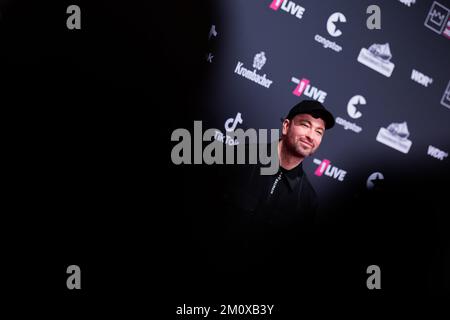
point(305, 125)
point(320, 132)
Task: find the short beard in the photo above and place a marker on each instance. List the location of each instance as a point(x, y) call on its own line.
point(295, 150)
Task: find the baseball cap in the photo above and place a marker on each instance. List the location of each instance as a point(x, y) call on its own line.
point(314, 108)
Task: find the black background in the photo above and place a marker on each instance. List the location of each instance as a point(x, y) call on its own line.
point(87, 121)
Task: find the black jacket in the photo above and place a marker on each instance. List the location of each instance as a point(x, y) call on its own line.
point(265, 232)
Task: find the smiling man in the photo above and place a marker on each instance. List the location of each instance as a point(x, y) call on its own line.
point(274, 214)
point(302, 132)
point(289, 196)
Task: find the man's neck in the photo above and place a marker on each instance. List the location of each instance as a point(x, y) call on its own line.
point(288, 161)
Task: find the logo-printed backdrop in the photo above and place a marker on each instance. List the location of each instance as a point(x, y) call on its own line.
point(389, 89)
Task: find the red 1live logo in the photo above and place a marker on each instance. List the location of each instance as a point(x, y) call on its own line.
point(325, 167)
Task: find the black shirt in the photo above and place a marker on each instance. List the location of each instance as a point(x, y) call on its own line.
point(283, 197)
point(269, 216)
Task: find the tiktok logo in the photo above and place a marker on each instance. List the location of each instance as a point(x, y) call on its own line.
point(230, 126)
point(324, 167)
point(234, 122)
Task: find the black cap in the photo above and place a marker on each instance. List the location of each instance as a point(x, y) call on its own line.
point(314, 108)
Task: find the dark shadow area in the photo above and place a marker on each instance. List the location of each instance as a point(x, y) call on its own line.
point(88, 115)
point(400, 227)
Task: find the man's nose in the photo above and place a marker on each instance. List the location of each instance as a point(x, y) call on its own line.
point(308, 134)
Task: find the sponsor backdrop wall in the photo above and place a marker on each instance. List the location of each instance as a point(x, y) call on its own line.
point(388, 88)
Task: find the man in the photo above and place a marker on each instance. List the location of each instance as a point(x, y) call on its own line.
point(271, 216)
point(302, 133)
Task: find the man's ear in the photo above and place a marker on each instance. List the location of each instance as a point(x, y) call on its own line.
point(285, 127)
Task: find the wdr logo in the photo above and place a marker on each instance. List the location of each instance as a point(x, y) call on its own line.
point(230, 126)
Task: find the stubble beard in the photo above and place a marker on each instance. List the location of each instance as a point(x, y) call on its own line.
point(296, 149)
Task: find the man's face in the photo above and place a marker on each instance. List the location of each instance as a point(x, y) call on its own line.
point(303, 134)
